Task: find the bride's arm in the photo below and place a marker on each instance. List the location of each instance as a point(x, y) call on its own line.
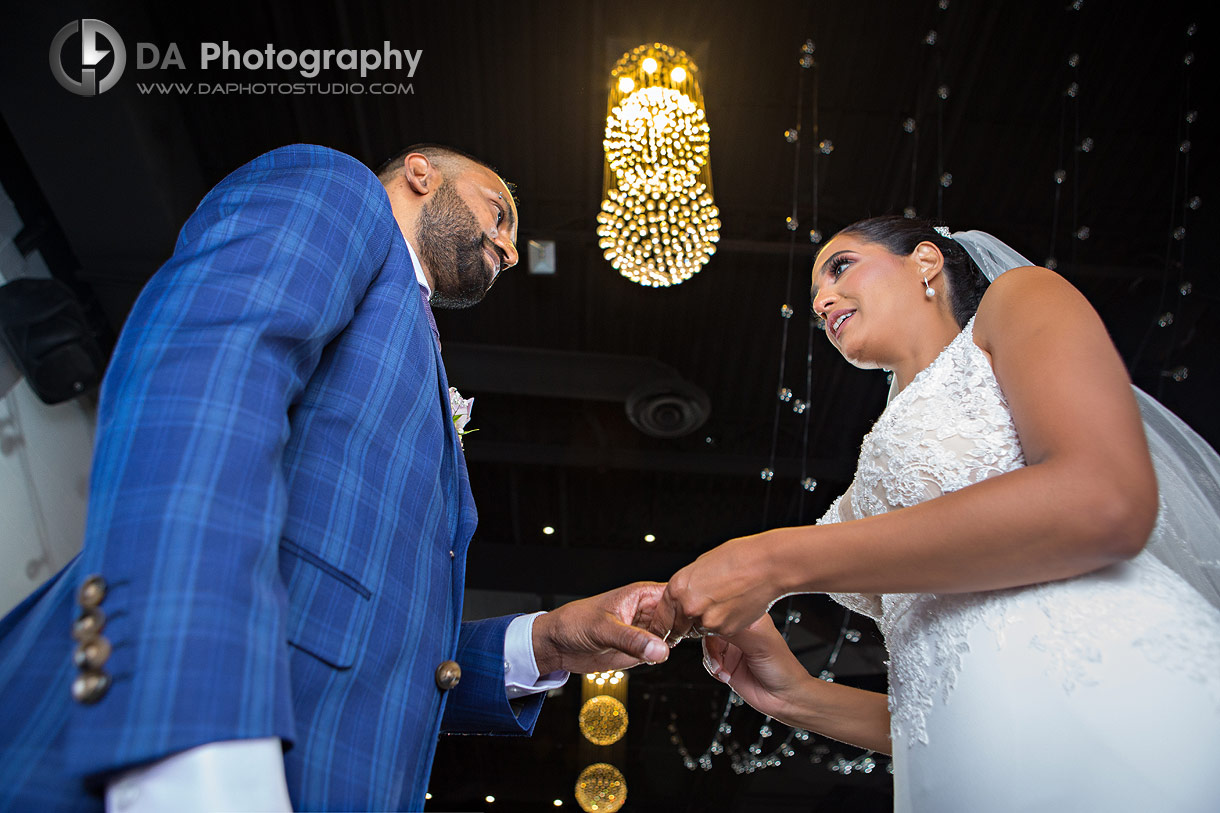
point(1085, 499)
point(760, 667)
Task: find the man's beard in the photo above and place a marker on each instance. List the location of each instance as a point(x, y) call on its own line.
point(450, 244)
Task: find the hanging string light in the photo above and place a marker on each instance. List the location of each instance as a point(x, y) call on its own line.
point(769, 750)
point(910, 126)
point(659, 223)
point(785, 396)
point(1069, 108)
point(1179, 215)
point(911, 123)
point(1069, 116)
point(1082, 145)
point(808, 484)
point(944, 179)
point(1175, 287)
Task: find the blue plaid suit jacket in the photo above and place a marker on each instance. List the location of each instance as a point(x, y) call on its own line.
point(280, 509)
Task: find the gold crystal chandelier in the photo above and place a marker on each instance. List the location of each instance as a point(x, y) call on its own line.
point(658, 223)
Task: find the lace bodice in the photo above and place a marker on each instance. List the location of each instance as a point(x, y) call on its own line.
point(952, 427)
point(948, 428)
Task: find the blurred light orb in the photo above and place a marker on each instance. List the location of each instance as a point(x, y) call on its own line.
point(601, 788)
point(603, 719)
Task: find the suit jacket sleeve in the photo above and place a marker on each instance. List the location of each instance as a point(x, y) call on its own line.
point(187, 497)
point(479, 703)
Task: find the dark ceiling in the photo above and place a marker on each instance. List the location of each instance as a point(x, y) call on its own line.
point(104, 183)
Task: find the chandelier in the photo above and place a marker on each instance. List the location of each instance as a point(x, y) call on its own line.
point(658, 223)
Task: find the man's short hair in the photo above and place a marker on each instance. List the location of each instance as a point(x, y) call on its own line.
point(439, 154)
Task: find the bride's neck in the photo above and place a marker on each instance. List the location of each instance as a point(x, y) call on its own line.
point(925, 343)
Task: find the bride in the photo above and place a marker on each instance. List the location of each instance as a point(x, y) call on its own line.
point(1042, 654)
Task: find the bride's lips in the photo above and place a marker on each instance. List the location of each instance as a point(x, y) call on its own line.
point(833, 322)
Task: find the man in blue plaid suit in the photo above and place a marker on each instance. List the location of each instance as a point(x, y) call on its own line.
point(267, 609)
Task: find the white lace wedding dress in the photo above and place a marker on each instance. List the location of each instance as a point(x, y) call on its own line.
point(1097, 693)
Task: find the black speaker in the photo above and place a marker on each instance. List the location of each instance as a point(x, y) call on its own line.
point(45, 330)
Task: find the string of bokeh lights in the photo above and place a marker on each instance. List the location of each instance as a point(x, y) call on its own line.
point(1179, 213)
point(759, 755)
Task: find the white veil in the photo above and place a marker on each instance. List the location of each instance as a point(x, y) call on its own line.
point(1187, 532)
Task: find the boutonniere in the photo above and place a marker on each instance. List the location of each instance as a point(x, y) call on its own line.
point(460, 407)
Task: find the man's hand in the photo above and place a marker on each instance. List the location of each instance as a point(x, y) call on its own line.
point(723, 592)
point(601, 632)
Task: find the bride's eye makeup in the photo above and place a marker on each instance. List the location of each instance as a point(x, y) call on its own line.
point(834, 268)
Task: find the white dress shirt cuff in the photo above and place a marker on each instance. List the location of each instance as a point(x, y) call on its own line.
point(520, 667)
point(227, 775)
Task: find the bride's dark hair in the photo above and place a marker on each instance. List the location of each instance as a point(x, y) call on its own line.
point(900, 235)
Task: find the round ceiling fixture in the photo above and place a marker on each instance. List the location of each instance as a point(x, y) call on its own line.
point(669, 409)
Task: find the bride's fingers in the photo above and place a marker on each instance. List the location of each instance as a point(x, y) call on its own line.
point(712, 665)
point(721, 658)
point(715, 668)
point(713, 649)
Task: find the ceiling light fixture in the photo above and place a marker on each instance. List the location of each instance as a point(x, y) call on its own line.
point(659, 223)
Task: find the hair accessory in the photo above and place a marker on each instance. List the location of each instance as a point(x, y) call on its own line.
point(992, 256)
point(943, 231)
point(928, 290)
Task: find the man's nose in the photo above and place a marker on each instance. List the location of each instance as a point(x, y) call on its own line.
point(509, 248)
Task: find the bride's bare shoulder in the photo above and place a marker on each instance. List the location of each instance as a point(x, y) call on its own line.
point(1029, 298)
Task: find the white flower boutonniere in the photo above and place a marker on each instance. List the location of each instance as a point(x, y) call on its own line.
point(460, 407)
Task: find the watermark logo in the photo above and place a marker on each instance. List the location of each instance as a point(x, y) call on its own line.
point(218, 60)
point(90, 57)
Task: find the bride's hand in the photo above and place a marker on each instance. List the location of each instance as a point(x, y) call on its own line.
point(760, 667)
point(721, 592)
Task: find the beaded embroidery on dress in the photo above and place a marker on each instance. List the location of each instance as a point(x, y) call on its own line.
point(949, 428)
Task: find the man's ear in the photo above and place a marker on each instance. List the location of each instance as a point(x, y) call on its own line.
point(422, 176)
point(928, 260)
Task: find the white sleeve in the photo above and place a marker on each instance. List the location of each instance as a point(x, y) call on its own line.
point(520, 667)
point(228, 775)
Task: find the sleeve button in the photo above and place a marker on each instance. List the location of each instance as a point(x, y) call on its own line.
point(90, 686)
point(92, 654)
point(91, 592)
point(89, 624)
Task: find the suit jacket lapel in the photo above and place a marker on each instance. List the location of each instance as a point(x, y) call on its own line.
point(464, 517)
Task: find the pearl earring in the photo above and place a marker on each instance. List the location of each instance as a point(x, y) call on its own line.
point(928, 290)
